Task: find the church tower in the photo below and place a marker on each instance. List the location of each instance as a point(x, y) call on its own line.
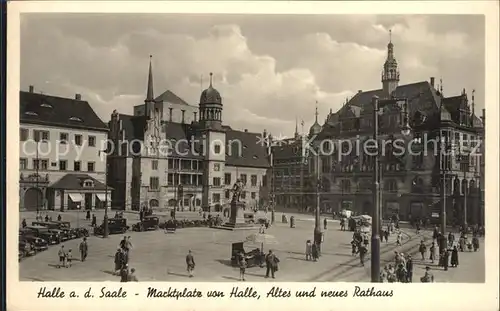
point(213, 139)
point(390, 74)
point(150, 99)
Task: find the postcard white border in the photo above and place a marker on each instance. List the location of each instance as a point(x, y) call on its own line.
point(439, 296)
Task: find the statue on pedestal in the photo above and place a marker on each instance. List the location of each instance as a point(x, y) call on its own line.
point(237, 189)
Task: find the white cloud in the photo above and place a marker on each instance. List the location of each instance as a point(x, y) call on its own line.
point(265, 82)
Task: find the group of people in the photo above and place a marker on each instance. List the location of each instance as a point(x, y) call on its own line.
point(122, 258)
point(47, 218)
point(66, 257)
point(401, 272)
point(312, 251)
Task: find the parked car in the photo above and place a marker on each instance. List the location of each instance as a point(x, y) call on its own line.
point(39, 244)
point(43, 232)
point(115, 226)
point(64, 234)
point(147, 223)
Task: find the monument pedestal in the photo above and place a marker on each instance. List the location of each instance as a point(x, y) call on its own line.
point(237, 218)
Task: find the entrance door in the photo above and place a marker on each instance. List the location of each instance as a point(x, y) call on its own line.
point(88, 201)
point(33, 199)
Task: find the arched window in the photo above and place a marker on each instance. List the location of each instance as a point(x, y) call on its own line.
point(154, 203)
point(456, 186)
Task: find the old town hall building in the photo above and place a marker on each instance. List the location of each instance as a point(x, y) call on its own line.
point(172, 154)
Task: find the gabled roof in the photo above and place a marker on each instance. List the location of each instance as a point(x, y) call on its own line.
point(253, 151)
point(75, 182)
point(58, 111)
point(170, 97)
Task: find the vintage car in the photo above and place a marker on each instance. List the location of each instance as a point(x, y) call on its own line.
point(38, 244)
point(115, 226)
point(170, 225)
point(253, 258)
point(51, 236)
point(64, 234)
point(73, 233)
point(147, 223)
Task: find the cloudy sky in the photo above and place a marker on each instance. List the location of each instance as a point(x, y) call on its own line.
point(269, 69)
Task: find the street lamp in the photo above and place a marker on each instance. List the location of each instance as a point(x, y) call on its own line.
point(317, 225)
point(106, 228)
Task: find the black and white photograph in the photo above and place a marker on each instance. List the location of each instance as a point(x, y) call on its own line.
point(252, 148)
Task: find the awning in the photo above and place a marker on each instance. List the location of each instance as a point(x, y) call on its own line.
point(76, 197)
point(102, 197)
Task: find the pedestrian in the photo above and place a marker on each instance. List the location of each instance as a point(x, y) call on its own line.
point(47, 218)
point(386, 236)
point(262, 229)
point(354, 248)
point(87, 216)
point(422, 249)
point(446, 258)
point(272, 264)
point(118, 260)
point(391, 276)
point(128, 247)
point(461, 243)
point(190, 263)
point(401, 273)
point(342, 224)
point(94, 220)
point(308, 250)
point(62, 257)
point(59, 217)
point(475, 243)
point(362, 252)
point(69, 258)
point(83, 249)
point(325, 223)
point(314, 251)
point(383, 275)
point(432, 252)
point(23, 223)
point(409, 270)
point(131, 276)
point(428, 276)
point(398, 239)
point(243, 266)
point(454, 257)
point(124, 274)
point(365, 240)
point(123, 243)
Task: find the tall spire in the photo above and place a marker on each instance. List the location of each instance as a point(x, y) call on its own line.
point(296, 126)
point(390, 73)
point(473, 103)
point(211, 75)
point(150, 93)
point(316, 113)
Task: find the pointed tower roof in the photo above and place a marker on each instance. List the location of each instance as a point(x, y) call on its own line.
point(150, 93)
point(315, 128)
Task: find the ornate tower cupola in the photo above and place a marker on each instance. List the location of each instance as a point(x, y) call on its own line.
point(149, 101)
point(315, 128)
point(390, 74)
point(211, 107)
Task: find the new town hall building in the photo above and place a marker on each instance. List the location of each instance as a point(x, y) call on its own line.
point(411, 184)
point(170, 154)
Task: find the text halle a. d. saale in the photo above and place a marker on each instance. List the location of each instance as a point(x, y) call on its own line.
point(278, 292)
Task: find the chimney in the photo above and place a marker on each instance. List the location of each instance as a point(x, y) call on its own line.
point(78, 96)
point(246, 130)
point(183, 114)
point(170, 114)
point(432, 81)
point(32, 88)
point(360, 91)
point(483, 116)
point(194, 114)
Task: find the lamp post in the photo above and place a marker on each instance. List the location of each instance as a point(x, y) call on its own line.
point(106, 228)
point(375, 246)
point(465, 164)
point(317, 221)
point(443, 146)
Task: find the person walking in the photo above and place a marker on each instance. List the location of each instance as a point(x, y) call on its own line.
point(432, 251)
point(124, 273)
point(62, 257)
point(401, 273)
point(409, 270)
point(59, 217)
point(243, 266)
point(190, 263)
point(118, 261)
point(325, 223)
point(69, 258)
point(422, 249)
point(362, 252)
point(271, 264)
point(314, 251)
point(94, 220)
point(308, 250)
point(454, 257)
point(446, 258)
point(84, 248)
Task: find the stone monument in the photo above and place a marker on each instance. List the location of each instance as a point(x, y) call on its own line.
point(236, 215)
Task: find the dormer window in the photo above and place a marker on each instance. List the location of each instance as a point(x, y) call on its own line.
point(76, 119)
point(88, 184)
point(46, 106)
point(31, 113)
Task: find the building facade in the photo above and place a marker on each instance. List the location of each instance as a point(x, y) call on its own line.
point(61, 163)
point(411, 180)
point(171, 155)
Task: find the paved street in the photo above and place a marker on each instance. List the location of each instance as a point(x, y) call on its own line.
point(161, 257)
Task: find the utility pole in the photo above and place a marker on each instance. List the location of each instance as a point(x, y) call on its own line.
point(317, 221)
point(375, 247)
point(106, 227)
